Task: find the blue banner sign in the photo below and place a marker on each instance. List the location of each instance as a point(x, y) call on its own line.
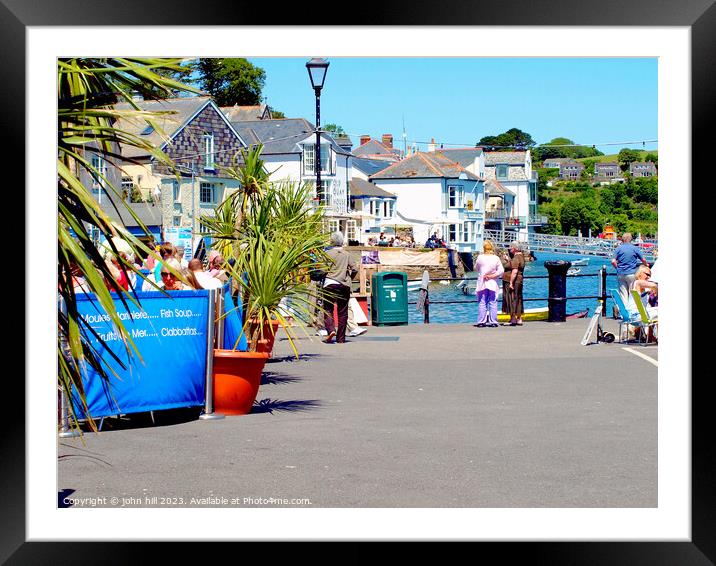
point(170, 334)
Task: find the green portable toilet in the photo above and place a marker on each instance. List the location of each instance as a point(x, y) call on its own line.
point(389, 298)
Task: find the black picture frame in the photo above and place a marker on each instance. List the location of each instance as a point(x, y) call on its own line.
point(700, 16)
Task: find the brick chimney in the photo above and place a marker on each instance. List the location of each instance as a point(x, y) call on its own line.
point(388, 140)
point(364, 139)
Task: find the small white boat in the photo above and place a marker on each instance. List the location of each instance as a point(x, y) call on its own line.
point(582, 261)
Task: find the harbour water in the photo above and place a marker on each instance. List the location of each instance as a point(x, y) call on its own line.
point(466, 310)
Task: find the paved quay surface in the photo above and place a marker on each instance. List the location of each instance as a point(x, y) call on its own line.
point(409, 416)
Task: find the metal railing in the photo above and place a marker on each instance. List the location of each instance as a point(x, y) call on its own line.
point(601, 295)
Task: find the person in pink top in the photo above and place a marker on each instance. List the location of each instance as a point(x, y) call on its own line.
point(489, 272)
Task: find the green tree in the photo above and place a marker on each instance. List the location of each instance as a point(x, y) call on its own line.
point(230, 80)
point(277, 114)
point(653, 157)
point(563, 147)
point(627, 156)
point(512, 139)
point(334, 129)
point(580, 214)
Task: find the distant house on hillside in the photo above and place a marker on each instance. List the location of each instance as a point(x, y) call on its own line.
point(374, 149)
point(436, 194)
point(642, 169)
point(570, 169)
point(607, 171)
point(555, 162)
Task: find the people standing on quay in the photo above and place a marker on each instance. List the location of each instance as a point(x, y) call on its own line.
point(337, 288)
point(489, 270)
point(627, 258)
point(506, 262)
point(514, 277)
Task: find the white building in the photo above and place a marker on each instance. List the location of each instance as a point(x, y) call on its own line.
point(513, 172)
point(437, 194)
point(290, 155)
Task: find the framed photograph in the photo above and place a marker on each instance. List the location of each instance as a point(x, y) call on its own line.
point(674, 531)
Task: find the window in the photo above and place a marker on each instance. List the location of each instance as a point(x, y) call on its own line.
point(374, 207)
point(176, 221)
point(209, 163)
point(468, 232)
point(533, 192)
point(351, 230)
point(207, 193)
point(501, 171)
point(387, 208)
point(452, 232)
point(176, 191)
point(98, 177)
point(334, 226)
point(323, 194)
point(309, 159)
point(455, 196)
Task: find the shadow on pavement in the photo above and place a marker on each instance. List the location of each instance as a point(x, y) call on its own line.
point(166, 417)
point(275, 378)
point(291, 358)
point(269, 405)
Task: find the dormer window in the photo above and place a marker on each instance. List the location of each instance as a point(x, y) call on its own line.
point(501, 171)
point(209, 163)
point(309, 159)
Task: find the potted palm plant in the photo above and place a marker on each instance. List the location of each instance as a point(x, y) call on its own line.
point(274, 238)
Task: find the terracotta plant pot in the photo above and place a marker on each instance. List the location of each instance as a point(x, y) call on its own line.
point(266, 343)
point(237, 376)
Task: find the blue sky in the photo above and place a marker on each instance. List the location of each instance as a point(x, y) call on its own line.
point(459, 100)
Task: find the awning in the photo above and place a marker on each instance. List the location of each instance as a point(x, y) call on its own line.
point(155, 231)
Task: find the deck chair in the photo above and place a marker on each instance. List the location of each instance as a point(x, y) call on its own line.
point(626, 319)
point(647, 323)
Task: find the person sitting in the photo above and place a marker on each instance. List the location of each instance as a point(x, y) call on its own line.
point(646, 289)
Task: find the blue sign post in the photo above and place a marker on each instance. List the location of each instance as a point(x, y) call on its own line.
point(170, 334)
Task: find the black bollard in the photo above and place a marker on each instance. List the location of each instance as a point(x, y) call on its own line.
point(557, 301)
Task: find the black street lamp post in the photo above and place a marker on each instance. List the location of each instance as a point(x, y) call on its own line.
point(317, 69)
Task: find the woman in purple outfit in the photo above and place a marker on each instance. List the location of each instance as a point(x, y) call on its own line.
point(489, 272)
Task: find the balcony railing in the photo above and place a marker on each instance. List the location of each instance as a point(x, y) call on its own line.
point(538, 219)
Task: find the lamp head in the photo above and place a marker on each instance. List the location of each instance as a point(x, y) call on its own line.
point(317, 69)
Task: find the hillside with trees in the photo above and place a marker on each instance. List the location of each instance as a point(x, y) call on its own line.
point(574, 206)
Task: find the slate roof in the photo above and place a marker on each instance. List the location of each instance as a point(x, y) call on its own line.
point(281, 136)
point(362, 188)
point(149, 214)
point(245, 113)
point(494, 187)
point(374, 147)
point(370, 166)
point(425, 165)
point(181, 110)
point(505, 157)
point(464, 156)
